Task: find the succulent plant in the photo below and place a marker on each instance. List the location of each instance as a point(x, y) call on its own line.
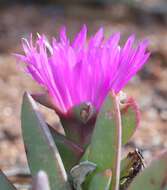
point(83, 83)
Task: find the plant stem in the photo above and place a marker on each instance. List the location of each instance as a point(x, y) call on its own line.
point(116, 168)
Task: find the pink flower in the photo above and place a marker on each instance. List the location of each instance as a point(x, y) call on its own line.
point(82, 70)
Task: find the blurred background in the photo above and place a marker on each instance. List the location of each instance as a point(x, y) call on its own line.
point(145, 18)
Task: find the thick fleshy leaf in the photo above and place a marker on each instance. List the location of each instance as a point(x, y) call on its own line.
point(79, 173)
point(42, 154)
point(100, 181)
point(130, 116)
point(105, 147)
point(102, 150)
point(5, 184)
point(130, 119)
point(69, 151)
point(152, 178)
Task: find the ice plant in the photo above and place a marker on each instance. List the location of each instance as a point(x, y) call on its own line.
point(82, 79)
point(83, 70)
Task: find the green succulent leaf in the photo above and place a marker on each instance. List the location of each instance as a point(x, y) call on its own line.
point(42, 153)
point(130, 115)
point(102, 149)
point(101, 181)
point(130, 118)
point(152, 178)
point(69, 151)
point(79, 173)
point(5, 184)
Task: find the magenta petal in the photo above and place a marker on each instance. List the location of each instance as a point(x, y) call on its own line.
point(63, 36)
point(96, 40)
point(84, 70)
point(80, 39)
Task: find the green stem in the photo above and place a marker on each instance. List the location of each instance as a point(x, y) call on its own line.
point(116, 167)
